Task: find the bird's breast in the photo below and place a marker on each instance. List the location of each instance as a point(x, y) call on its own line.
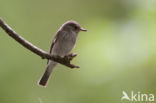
point(64, 44)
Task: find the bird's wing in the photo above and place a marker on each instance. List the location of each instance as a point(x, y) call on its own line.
point(53, 42)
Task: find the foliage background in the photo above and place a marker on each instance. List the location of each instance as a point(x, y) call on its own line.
point(117, 53)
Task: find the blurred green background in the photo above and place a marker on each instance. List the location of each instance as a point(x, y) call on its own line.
point(117, 53)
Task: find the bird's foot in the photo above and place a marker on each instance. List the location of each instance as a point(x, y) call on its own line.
point(70, 56)
point(66, 60)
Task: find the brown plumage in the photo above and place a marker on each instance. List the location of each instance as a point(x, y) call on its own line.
point(62, 44)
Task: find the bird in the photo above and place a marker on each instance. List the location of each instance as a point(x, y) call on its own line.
point(62, 44)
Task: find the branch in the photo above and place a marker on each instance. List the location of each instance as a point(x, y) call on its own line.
point(44, 55)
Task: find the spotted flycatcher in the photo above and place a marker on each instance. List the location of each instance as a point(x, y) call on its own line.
point(62, 44)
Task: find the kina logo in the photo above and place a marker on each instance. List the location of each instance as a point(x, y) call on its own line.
point(138, 96)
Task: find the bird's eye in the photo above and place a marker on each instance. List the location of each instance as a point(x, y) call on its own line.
point(75, 27)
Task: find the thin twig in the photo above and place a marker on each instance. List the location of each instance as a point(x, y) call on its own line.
point(44, 55)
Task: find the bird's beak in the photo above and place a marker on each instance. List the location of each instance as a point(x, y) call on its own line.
point(82, 29)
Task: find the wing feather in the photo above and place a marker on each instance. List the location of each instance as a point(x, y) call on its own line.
point(53, 42)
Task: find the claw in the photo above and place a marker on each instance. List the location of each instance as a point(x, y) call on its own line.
point(74, 54)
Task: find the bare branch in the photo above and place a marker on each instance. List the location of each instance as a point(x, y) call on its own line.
point(44, 55)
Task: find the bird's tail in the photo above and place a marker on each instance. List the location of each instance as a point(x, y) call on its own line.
point(44, 79)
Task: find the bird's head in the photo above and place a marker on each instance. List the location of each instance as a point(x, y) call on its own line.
point(72, 26)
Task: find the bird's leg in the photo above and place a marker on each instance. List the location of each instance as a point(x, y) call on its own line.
point(70, 56)
point(67, 58)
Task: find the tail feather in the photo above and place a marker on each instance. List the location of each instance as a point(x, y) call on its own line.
point(44, 79)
